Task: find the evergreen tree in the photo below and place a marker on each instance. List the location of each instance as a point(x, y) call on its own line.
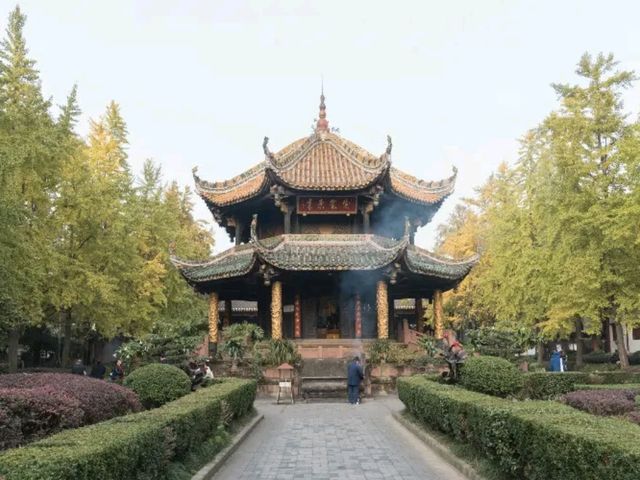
point(29, 167)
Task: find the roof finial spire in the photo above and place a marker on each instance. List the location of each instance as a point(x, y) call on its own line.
point(323, 123)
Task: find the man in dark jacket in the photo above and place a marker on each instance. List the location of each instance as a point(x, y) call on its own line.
point(354, 378)
point(98, 370)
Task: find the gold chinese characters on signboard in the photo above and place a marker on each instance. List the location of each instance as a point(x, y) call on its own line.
point(327, 205)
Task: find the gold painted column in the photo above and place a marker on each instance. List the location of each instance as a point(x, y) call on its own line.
point(382, 304)
point(419, 316)
point(297, 316)
point(226, 321)
point(437, 314)
point(358, 316)
point(276, 310)
point(213, 318)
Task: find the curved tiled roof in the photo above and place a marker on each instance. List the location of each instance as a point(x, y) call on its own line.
point(311, 252)
point(235, 262)
point(423, 262)
point(419, 191)
point(329, 252)
point(237, 189)
point(323, 162)
point(326, 162)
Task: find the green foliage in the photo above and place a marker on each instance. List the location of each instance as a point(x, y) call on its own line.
point(79, 239)
point(613, 377)
point(499, 342)
point(157, 384)
point(429, 345)
point(598, 357)
point(176, 345)
point(238, 338)
point(634, 387)
point(387, 351)
point(245, 332)
point(558, 230)
point(137, 446)
point(31, 152)
point(546, 385)
point(533, 440)
point(275, 352)
point(491, 375)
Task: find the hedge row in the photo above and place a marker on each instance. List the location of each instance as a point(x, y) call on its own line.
point(613, 377)
point(634, 387)
point(545, 385)
point(534, 440)
point(136, 446)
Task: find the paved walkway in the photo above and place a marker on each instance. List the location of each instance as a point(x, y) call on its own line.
point(334, 441)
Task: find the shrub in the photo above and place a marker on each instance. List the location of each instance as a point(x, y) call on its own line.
point(499, 342)
point(532, 440)
point(602, 402)
point(137, 446)
point(275, 352)
point(157, 384)
point(491, 375)
point(598, 357)
point(177, 344)
point(634, 416)
point(545, 385)
point(33, 413)
point(634, 358)
point(40, 404)
point(618, 376)
point(634, 387)
point(388, 351)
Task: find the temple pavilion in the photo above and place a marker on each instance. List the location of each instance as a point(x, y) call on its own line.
point(324, 242)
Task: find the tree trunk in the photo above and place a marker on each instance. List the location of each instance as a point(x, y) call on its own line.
point(579, 345)
point(12, 352)
point(622, 348)
point(66, 345)
point(540, 352)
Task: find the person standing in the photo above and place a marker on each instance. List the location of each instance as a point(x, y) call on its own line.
point(354, 378)
point(98, 370)
point(78, 367)
point(117, 374)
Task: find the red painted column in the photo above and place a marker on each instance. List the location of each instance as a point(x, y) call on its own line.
point(297, 317)
point(358, 316)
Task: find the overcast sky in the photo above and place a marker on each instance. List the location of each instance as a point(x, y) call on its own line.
point(201, 83)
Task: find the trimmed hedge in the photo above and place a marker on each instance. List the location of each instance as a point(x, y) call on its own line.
point(33, 413)
point(545, 385)
point(99, 400)
point(534, 440)
point(613, 377)
point(602, 402)
point(491, 375)
point(136, 446)
point(158, 383)
point(634, 387)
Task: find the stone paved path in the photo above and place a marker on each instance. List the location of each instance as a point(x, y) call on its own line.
point(320, 441)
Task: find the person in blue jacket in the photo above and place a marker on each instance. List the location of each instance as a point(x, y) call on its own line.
point(557, 362)
point(354, 378)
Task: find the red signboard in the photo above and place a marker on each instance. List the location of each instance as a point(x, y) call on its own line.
point(327, 205)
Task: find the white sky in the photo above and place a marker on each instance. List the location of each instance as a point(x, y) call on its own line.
point(201, 83)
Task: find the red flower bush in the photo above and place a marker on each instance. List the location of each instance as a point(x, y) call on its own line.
point(602, 402)
point(33, 406)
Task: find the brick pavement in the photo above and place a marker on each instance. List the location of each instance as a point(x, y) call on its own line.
point(318, 441)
